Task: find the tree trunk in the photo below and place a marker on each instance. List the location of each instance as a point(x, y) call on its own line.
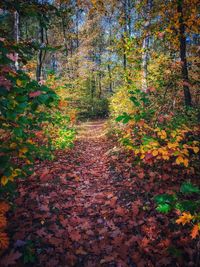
point(65, 37)
point(41, 54)
point(145, 45)
point(129, 17)
point(183, 57)
point(125, 33)
point(100, 86)
point(16, 36)
point(77, 29)
point(110, 79)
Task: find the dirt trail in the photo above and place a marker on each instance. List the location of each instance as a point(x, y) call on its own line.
point(91, 208)
point(68, 208)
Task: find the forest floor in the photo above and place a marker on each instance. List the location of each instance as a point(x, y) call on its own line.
point(90, 208)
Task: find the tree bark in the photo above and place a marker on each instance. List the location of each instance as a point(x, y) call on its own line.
point(183, 57)
point(42, 53)
point(16, 36)
point(144, 62)
point(110, 79)
point(145, 45)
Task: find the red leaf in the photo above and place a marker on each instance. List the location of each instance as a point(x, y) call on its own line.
point(141, 174)
point(11, 258)
point(34, 94)
point(120, 211)
point(75, 235)
point(44, 208)
point(45, 176)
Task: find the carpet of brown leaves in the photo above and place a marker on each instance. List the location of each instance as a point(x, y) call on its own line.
point(91, 208)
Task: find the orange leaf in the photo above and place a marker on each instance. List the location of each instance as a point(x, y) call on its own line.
point(195, 231)
point(186, 217)
point(4, 241)
point(4, 207)
point(3, 221)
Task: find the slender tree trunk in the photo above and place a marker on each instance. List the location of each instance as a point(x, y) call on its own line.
point(100, 86)
point(124, 55)
point(16, 36)
point(110, 79)
point(145, 45)
point(92, 86)
point(65, 37)
point(144, 62)
point(77, 29)
point(39, 60)
point(129, 17)
point(183, 57)
point(125, 33)
point(42, 53)
point(109, 56)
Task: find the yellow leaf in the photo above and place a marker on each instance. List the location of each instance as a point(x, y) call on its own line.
point(186, 217)
point(19, 82)
point(179, 138)
point(185, 162)
point(23, 150)
point(155, 153)
point(4, 180)
point(195, 149)
point(165, 157)
point(137, 151)
point(30, 141)
point(11, 178)
point(195, 231)
point(172, 145)
point(163, 135)
point(185, 151)
point(173, 134)
point(179, 160)
point(154, 143)
point(13, 145)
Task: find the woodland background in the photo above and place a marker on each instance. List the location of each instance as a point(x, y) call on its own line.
point(135, 63)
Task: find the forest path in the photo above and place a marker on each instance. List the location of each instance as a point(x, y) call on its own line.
point(69, 208)
point(89, 207)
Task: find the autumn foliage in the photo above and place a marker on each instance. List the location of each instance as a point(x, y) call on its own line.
point(100, 136)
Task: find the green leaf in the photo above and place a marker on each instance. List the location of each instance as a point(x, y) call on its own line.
point(135, 101)
point(124, 118)
point(188, 205)
point(165, 198)
point(119, 118)
point(18, 132)
point(3, 91)
point(188, 188)
point(164, 208)
point(21, 98)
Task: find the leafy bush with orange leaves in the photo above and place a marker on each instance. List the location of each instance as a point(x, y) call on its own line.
point(160, 137)
point(154, 138)
point(180, 145)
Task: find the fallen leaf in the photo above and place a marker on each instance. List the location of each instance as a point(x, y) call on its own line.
point(11, 258)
